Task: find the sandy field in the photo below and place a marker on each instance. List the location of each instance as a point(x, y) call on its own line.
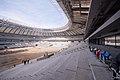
point(8, 60)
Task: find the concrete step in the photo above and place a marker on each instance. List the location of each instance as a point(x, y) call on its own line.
point(51, 71)
point(67, 71)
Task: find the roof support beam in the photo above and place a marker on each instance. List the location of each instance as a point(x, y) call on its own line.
point(110, 21)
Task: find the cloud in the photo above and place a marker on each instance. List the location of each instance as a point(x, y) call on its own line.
point(39, 13)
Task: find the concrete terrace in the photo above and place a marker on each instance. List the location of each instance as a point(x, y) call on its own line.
point(74, 63)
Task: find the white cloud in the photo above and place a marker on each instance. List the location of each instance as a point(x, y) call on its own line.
point(39, 13)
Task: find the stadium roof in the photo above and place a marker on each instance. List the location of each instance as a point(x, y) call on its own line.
point(76, 12)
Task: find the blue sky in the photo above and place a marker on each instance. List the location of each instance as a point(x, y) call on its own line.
point(45, 14)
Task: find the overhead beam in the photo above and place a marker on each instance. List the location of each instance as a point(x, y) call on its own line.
point(80, 9)
point(79, 23)
point(115, 17)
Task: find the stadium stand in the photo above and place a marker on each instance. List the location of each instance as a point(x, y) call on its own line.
point(71, 64)
point(91, 23)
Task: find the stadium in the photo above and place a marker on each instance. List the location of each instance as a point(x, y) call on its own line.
point(68, 52)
